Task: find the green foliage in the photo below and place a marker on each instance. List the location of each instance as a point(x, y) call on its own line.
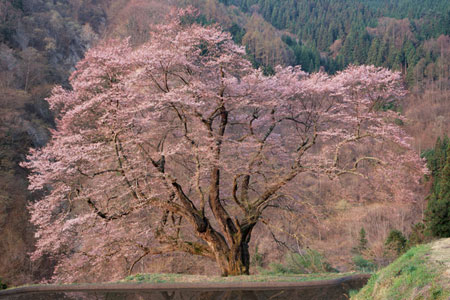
point(353, 293)
point(437, 157)
point(153, 278)
point(268, 70)
point(399, 122)
point(310, 261)
point(418, 235)
point(304, 55)
point(396, 242)
point(17, 4)
point(362, 242)
point(237, 32)
point(364, 265)
point(177, 278)
point(411, 274)
point(438, 209)
point(439, 217)
point(397, 42)
point(389, 106)
point(2, 285)
point(257, 259)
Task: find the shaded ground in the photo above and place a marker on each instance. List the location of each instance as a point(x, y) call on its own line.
point(312, 290)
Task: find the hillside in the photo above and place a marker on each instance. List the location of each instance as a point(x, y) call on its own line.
point(411, 36)
point(41, 41)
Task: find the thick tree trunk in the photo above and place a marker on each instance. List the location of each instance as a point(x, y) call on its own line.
point(236, 262)
point(240, 261)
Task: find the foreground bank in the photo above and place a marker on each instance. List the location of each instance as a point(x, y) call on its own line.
point(421, 273)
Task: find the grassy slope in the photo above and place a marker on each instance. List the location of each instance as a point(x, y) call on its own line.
point(415, 276)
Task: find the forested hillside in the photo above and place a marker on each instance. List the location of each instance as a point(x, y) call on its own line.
point(411, 36)
point(42, 40)
point(40, 43)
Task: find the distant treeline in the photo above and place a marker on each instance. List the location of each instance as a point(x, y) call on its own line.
point(407, 35)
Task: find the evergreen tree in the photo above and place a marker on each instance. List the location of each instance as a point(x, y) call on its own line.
point(382, 53)
point(362, 242)
point(361, 49)
point(396, 242)
point(373, 52)
point(438, 211)
point(436, 159)
point(237, 32)
point(319, 24)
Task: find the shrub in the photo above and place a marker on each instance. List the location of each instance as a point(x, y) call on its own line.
point(2, 285)
point(362, 242)
point(399, 122)
point(309, 261)
point(364, 265)
point(396, 242)
point(418, 235)
point(257, 258)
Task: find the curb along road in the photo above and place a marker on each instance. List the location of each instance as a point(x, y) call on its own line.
point(149, 287)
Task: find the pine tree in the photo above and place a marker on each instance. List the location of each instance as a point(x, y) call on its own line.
point(373, 52)
point(362, 242)
point(396, 242)
point(436, 159)
point(438, 211)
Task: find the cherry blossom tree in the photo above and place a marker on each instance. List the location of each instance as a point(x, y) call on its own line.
point(179, 145)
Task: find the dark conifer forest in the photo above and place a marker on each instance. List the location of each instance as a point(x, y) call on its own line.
point(402, 35)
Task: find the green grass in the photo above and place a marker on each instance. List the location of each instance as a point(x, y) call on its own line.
point(182, 278)
point(412, 276)
point(310, 262)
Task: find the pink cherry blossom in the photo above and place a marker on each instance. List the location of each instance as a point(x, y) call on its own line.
point(179, 145)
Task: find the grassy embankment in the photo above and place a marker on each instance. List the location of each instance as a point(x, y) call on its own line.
point(421, 273)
